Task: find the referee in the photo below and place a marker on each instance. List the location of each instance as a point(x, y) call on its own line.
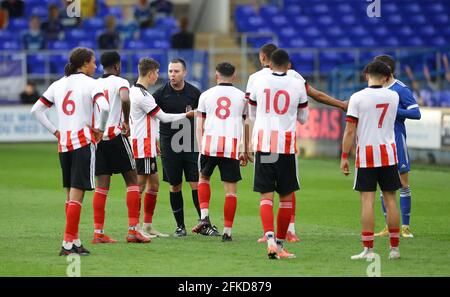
point(178, 96)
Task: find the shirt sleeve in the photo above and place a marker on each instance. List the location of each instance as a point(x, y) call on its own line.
point(148, 104)
point(248, 89)
point(352, 111)
point(407, 99)
point(124, 85)
point(303, 100)
point(197, 98)
point(201, 104)
point(48, 98)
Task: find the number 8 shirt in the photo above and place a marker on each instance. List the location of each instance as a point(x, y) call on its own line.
point(374, 109)
point(223, 108)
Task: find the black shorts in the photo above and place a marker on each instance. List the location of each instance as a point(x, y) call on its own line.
point(276, 173)
point(174, 163)
point(114, 156)
point(146, 166)
point(78, 168)
point(366, 179)
point(229, 168)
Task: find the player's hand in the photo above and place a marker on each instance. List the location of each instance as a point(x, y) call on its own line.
point(243, 158)
point(345, 167)
point(250, 156)
point(190, 114)
point(57, 134)
point(344, 106)
point(98, 134)
point(125, 129)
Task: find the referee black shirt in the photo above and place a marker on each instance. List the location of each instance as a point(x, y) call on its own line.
point(173, 101)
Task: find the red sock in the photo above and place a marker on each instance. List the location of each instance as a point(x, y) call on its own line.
point(72, 221)
point(283, 218)
point(204, 194)
point(367, 239)
point(229, 210)
point(98, 203)
point(149, 206)
point(266, 213)
point(133, 204)
point(394, 236)
point(66, 206)
point(293, 209)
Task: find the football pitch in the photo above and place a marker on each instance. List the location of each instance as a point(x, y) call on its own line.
point(328, 223)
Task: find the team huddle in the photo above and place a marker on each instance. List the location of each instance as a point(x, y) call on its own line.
point(106, 127)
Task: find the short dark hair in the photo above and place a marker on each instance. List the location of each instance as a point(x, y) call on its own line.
point(377, 69)
point(147, 65)
point(109, 59)
point(179, 60)
point(280, 58)
point(268, 49)
point(225, 69)
point(388, 60)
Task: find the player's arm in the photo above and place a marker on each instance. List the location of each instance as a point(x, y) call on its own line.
point(102, 105)
point(302, 112)
point(200, 128)
point(124, 94)
point(170, 117)
point(347, 142)
point(323, 98)
point(38, 110)
point(412, 110)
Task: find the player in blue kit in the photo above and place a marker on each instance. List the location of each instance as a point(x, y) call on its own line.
point(407, 109)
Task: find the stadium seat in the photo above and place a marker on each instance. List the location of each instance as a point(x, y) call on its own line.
point(93, 23)
point(292, 10)
point(154, 33)
point(159, 44)
point(36, 64)
point(10, 45)
point(166, 22)
point(268, 11)
point(244, 11)
point(59, 45)
point(302, 20)
point(135, 45)
point(18, 24)
point(57, 63)
point(303, 62)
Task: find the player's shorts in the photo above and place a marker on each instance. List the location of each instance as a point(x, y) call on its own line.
point(174, 164)
point(230, 170)
point(275, 173)
point(366, 179)
point(114, 156)
point(146, 166)
point(402, 153)
point(78, 168)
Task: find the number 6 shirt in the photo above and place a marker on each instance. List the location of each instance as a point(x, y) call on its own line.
point(374, 109)
point(223, 108)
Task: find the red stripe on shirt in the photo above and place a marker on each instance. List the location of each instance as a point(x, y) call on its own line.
point(274, 141)
point(384, 155)
point(69, 141)
point(303, 105)
point(220, 146)
point(394, 148)
point(252, 103)
point(82, 138)
point(98, 95)
point(123, 89)
point(234, 148)
point(358, 162)
point(351, 119)
point(369, 156)
point(154, 111)
point(111, 133)
point(59, 143)
point(147, 147)
point(91, 133)
point(46, 102)
point(260, 141)
point(287, 142)
point(208, 145)
point(135, 148)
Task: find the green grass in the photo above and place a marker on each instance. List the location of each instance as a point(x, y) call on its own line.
point(32, 224)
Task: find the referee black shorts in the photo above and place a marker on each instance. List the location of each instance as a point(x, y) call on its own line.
point(230, 170)
point(114, 156)
point(78, 168)
point(175, 163)
point(366, 179)
point(275, 173)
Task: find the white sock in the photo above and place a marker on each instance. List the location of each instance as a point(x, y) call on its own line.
point(291, 228)
point(77, 242)
point(227, 230)
point(270, 238)
point(99, 231)
point(204, 213)
point(67, 245)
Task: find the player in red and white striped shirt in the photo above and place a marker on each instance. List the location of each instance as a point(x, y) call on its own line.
point(143, 115)
point(76, 96)
point(264, 57)
point(221, 113)
point(371, 116)
point(114, 154)
point(276, 105)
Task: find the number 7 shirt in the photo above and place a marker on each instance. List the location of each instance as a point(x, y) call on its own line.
point(374, 110)
point(223, 108)
point(278, 99)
